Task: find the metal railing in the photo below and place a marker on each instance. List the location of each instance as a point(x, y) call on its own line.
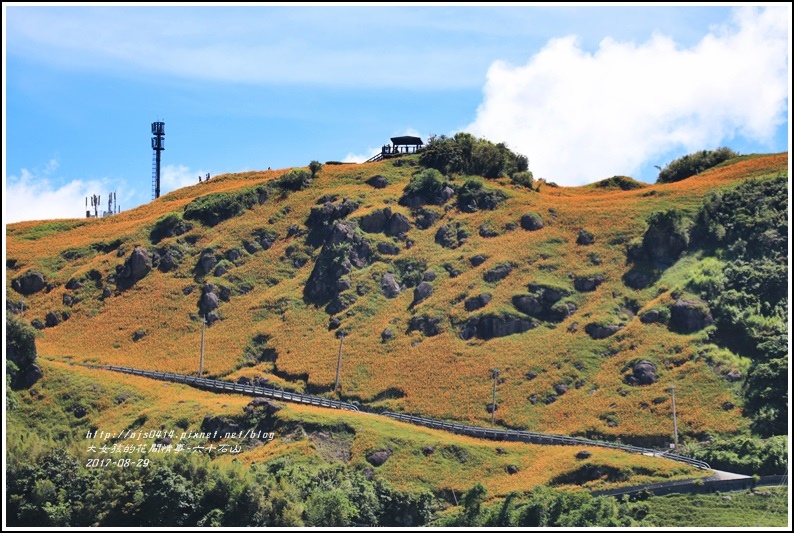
point(536, 438)
point(228, 386)
point(461, 429)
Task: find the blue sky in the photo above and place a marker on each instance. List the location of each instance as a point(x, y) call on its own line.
point(584, 92)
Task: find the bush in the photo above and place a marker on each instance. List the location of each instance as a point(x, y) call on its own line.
point(473, 196)
point(465, 154)
point(212, 209)
point(426, 186)
point(523, 179)
point(295, 180)
point(692, 164)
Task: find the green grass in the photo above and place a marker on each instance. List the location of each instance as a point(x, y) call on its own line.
point(744, 509)
point(45, 229)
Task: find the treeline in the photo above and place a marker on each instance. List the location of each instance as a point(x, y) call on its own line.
point(545, 507)
point(188, 489)
point(746, 229)
point(465, 154)
point(693, 164)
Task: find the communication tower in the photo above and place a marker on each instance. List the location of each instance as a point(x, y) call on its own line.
point(158, 145)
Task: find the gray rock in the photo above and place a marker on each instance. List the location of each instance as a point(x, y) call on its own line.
point(52, 319)
point(688, 316)
point(531, 222)
point(430, 275)
point(386, 334)
point(377, 181)
point(643, 373)
point(477, 260)
point(138, 335)
point(426, 218)
point(588, 283)
point(379, 457)
point(585, 238)
point(29, 283)
point(477, 302)
point(651, 316)
point(422, 292)
point(207, 261)
point(427, 325)
point(389, 285)
point(387, 248)
point(598, 331)
point(398, 224)
point(636, 280)
point(492, 326)
point(498, 273)
point(487, 232)
point(375, 222)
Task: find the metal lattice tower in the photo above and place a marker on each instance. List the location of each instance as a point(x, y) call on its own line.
point(158, 145)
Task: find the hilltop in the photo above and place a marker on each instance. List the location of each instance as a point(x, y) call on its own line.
point(428, 271)
point(432, 294)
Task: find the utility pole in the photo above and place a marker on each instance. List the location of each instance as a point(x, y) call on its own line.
point(675, 422)
point(495, 372)
point(201, 360)
point(341, 335)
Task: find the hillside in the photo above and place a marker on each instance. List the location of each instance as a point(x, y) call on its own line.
point(279, 277)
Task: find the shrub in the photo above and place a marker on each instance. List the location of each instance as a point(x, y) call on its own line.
point(466, 154)
point(523, 179)
point(296, 179)
point(473, 196)
point(692, 164)
point(212, 209)
point(425, 186)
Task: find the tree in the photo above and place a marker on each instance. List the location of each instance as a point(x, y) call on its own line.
point(315, 167)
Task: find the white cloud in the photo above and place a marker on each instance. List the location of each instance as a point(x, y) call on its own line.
point(34, 197)
point(580, 117)
point(174, 177)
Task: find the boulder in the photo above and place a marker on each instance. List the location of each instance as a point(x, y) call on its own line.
point(389, 285)
point(599, 331)
point(487, 232)
point(427, 325)
point(425, 218)
point(206, 262)
point(585, 238)
point(477, 302)
point(334, 323)
point(29, 283)
point(511, 469)
point(636, 280)
point(451, 235)
point(398, 224)
point(477, 260)
point(560, 388)
point(651, 316)
point(643, 373)
point(498, 273)
point(375, 222)
point(492, 326)
point(584, 454)
point(138, 335)
point(531, 222)
point(379, 457)
point(52, 319)
point(689, 316)
point(587, 283)
point(377, 181)
point(386, 334)
point(422, 292)
point(430, 275)
point(387, 248)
